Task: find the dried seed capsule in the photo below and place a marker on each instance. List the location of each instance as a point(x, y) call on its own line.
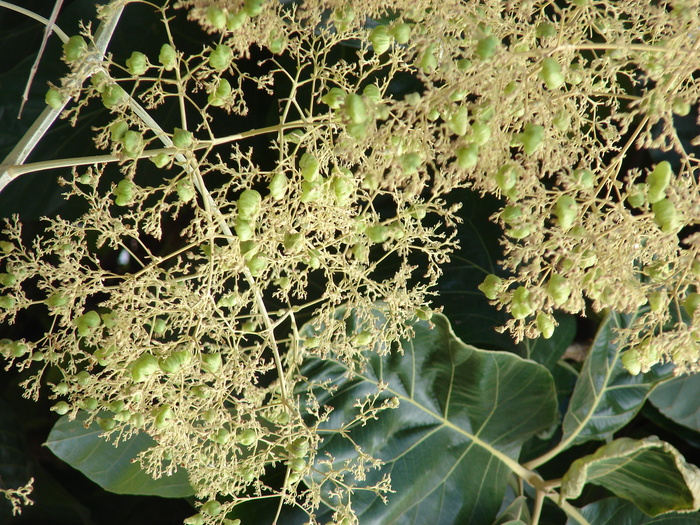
point(381, 39)
point(658, 180)
point(491, 286)
point(137, 64)
point(167, 57)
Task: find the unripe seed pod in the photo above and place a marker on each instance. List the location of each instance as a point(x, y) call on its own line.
point(334, 98)
point(658, 180)
point(113, 95)
point(247, 437)
point(401, 33)
point(182, 138)
point(244, 229)
point(371, 92)
point(89, 404)
point(342, 186)
point(185, 190)
point(161, 160)
point(175, 361)
point(197, 519)
point(459, 121)
point(212, 363)
point(360, 252)
point(381, 40)
point(103, 355)
point(106, 423)
point(566, 210)
point(220, 58)
point(61, 388)
point(355, 109)
point(7, 302)
point(299, 447)
point(311, 191)
point(249, 204)
point(277, 42)
point(309, 167)
point(253, 7)
point(87, 322)
point(124, 192)
point(222, 91)
point(132, 143)
point(378, 233)
point(486, 47)
point(292, 241)
point(61, 408)
point(410, 162)
point(545, 325)
point(681, 107)
point(216, 17)
point(236, 20)
point(519, 232)
point(562, 120)
point(491, 286)
point(362, 339)
point(665, 215)
point(8, 279)
point(545, 29)
point(257, 264)
point(144, 366)
point(481, 133)
point(532, 137)
point(551, 73)
point(636, 196)
point(511, 214)
point(520, 304)
point(278, 186)
point(222, 436)
point(427, 61)
point(506, 178)
point(658, 301)
point(559, 289)
point(691, 303)
point(297, 464)
point(54, 98)
point(424, 314)
point(584, 178)
point(167, 57)
point(118, 129)
point(164, 417)
point(630, 360)
point(74, 48)
point(137, 64)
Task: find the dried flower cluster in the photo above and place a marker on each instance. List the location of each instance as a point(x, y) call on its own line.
point(198, 344)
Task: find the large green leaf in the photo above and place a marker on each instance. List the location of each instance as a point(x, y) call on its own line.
point(615, 511)
point(606, 396)
point(648, 472)
point(455, 438)
point(112, 467)
point(677, 399)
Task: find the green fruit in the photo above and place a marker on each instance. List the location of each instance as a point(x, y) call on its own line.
point(511, 214)
point(220, 57)
point(248, 437)
point(545, 30)
point(61, 388)
point(6, 246)
point(401, 33)
point(658, 180)
point(277, 43)
point(342, 186)
point(491, 286)
point(236, 20)
point(559, 289)
point(458, 122)
point(292, 241)
point(54, 98)
point(168, 57)
point(378, 233)
point(137, 64)
point(519, 232)
point(159, 326)
point(584, 178)
point(486, 47)
point(8, 279)
point(164, 417)
point(216, 17)
point(144, 366)
point(362, 339)
point(681, 107)
point(249, 204)
point(531, 137)
point(636, 196)
point(118, 129)
point(212, 508)
point(381, 39)
point(124, 192)
point(309, 167)
point(132, 144)
point(410, 162)
point(87, 322)
point(61, 408)
point(520, 304)
point(427, 61)
point(566, 210)
point(257, 264)
point(212, 363)
point(311, 191)
point(222, 436)
point(691, 303)
point(296, 464)
point(551, 73)
point(185, 190)
point(197, 519)
point(244, 229)
point(182, 139)
point(481, 133)
point(106, 423)
point(506, 178)
point(113, 95)
point(467, 156)
point(545, 325)
point(630, 360)
point(665, 215)
point(219, 95)
point(278, 186)
point(657, 301)
point(334, 98)
point(371, 92)
point(161, 160)
point(355, 109)
point(253, 7)
point(74, 48)
point(562, 121)
point(299, 447)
